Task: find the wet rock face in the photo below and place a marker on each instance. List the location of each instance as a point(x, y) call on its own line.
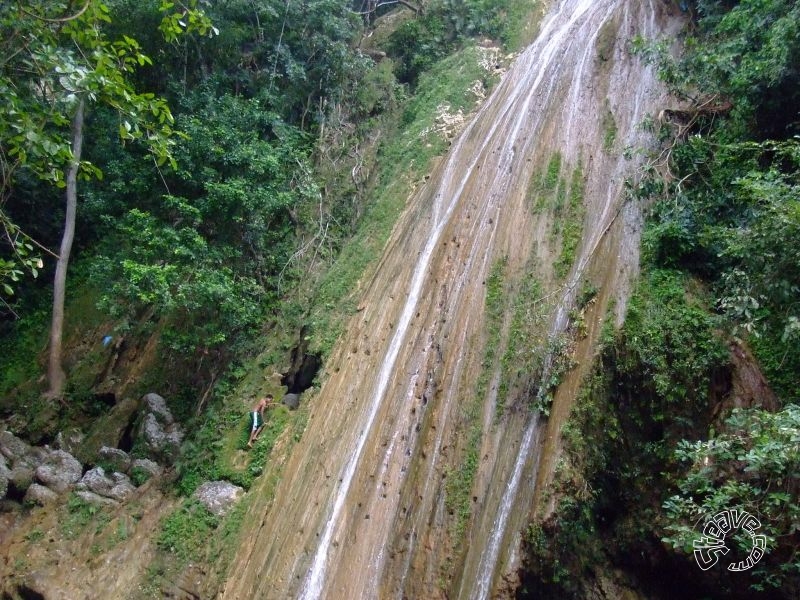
point(218, 496)
point(59, 471)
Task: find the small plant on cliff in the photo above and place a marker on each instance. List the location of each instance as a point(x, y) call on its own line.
point(185, 533)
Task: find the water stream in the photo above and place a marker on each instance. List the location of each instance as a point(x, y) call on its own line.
point(362, 507)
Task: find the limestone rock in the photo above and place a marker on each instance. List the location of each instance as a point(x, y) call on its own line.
point(114, 459)
point(162, 436)
point(12, 447)
point(291, 400)
point(69, 440)
point(117, 486)
point(39, 494)
point(143, 469)
point(95, 499)
point(153, 403)
point(4, 473)
point(59, 471)
point(218, 496)
point(20, 478)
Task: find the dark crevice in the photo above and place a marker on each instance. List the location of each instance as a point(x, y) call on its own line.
point(108, 399)
point(27, 593)
point(303, 369)
point(127, 438)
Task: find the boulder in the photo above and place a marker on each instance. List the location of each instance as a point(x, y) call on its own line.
point(59, 471)
point(20, 478)
point(69, 440)
point(39, 494)
point(12, 447)
point(291, 400)
point(153, 403)
point(4, 473)
point(95, 499)
point(114, 459)
point(117, 486)
point(143, 469)
point(162, 436)
point(218, 496)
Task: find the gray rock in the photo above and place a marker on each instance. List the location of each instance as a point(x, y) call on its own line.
point(161, 434)
point(218, 496)
point(39, 494)
point(291, 400)
point(143, 469)
point(59, 471)
point(37, 455)
point(153, 403)
point(4, 473)
point(95, 499)
point(117, 486)
point(114, 459)
point(123, 488)
point(20, 478)
point(69, 440)
point(161, 442)
point(12, 447)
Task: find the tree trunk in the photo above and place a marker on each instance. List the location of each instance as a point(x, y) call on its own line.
point(55, 372)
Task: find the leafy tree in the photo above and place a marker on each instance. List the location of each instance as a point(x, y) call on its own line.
point(212, 252)
point(730, 216)
point(57, 61)
point(746, 55)
point(752, 467)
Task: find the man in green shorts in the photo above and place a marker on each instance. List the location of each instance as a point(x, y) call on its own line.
point(257, 418)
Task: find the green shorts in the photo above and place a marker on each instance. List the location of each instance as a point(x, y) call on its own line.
point(255, 416)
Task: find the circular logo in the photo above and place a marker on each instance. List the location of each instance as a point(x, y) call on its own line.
point(711, 545)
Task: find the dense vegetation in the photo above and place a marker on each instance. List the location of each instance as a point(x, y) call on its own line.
point(690, 432)
point(253, 111)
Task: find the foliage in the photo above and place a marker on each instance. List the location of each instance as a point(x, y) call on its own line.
point(570, 217)
point(220, 434)
point(185, 532)
point(244, 174)
point(420, 42)
point(22, 257)
point(728, 215)
point(669, 344)
point(731, 211)
point(78, 514)
point(751, 466)
point(745, 52)
point(458, 483)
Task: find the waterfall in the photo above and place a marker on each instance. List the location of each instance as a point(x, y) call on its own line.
point(361, 510)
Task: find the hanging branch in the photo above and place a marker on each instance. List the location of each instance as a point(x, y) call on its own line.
point(374, 5)
point(57, 20)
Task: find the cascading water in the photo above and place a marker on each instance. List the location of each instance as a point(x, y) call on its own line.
point(362, 508)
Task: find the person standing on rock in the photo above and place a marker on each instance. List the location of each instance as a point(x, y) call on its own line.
point(257, 418)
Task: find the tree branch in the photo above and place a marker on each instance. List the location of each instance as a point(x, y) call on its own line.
point(59, 20)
